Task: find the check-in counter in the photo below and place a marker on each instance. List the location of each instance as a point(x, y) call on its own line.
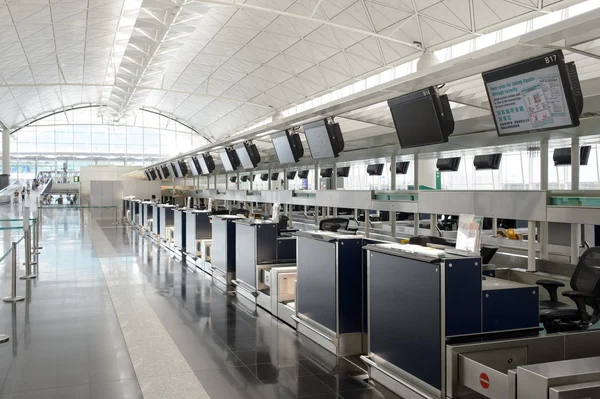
point(147, 214)
point(156, 221)
point(420, 299)
point(198, 228)
point(167, 221)
point(330, 297)
point(137, 212)
point(126, 209)
point(179, 230)
point(223, 253)
point(263, 262)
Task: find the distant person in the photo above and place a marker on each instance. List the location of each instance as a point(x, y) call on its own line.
point(75, 199)
point(153, 198)
point(23, 194)
point(16, 196)
point(60, 200)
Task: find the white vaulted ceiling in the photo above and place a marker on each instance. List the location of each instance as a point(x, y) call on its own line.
point(218, 65)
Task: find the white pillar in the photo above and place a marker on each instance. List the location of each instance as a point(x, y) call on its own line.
point(334, 185)
point(416, 168)
point(269, 180)
point(316, 188)
point(575, 228)
point(5, 151)
point(393, 186)
point(531, 266)
point(544, 186)
point(427, 170)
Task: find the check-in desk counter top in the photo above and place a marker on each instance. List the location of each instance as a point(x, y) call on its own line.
point(127, 208)
point(223, 258)
point(419, 301)
point(156, 221)
point(198, 227)
point(137, 211)
point(147, 212)
point(167, 219)
point(179, 228)
point(256, 243)
point(330, 290)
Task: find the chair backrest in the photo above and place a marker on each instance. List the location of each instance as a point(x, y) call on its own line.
point(244, 212)
point(282, 223)
point(586, 277)
point(333, 224)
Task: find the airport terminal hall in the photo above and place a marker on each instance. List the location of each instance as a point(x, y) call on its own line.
point(317, 199)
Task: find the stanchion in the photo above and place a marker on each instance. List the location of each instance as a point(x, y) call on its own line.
point(36, 237)
point(28, 274)
point(13, 282)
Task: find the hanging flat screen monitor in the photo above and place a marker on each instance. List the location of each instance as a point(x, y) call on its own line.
point(166, 172)
point(148, 177)
point(159, 173)
point(177, 169)
point(288, 147)
point(207, 164)
point(171, 169)
point(422, 118)
point(229, 159)
point(183, 167)
point(324, 139)
point(194, 167)
point(541, 93)
point(248, 155)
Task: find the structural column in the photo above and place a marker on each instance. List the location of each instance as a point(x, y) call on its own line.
point(4, 179)
point(575, 228)
point(393, 187)
point(416, 187)
point(543, 236)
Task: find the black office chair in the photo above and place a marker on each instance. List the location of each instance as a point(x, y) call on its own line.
point(220, 212)
point(424, 240)
point(558, 316)
point(244, 212)
point(334, 224)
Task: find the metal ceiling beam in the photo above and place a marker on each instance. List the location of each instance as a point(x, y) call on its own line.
point(500, 54)
point(224, 3)
point(140, 88)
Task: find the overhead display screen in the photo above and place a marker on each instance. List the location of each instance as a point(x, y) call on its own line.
point(206, 162)
point(281, 142)
point(192, 167)
point(318, 140)
point(420, 118)
point(532, 95)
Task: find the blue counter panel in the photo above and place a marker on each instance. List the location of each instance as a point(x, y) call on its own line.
point(317, 281)
point(510, 309)
point(463, 296)
point(404, 315)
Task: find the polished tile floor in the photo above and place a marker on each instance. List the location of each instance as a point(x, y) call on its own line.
point(113, 316)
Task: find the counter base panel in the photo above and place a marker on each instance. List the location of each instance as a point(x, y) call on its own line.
point(390, 380)
point(243, 292)
point(337, 344)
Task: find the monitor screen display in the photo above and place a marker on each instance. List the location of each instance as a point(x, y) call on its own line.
point(203, 166)
point(229, 159)
point(318, 140)
point(283, 148)
point(192, 167)
point(243, 153)
point(416, 119)
point(531, 95)
point(177, 169)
